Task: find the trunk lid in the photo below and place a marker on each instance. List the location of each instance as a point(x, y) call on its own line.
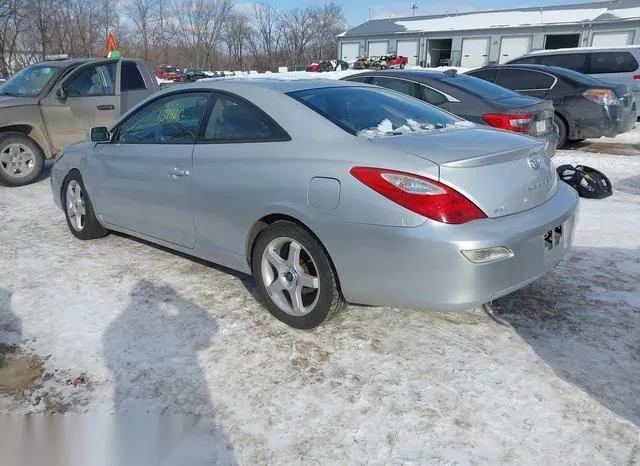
point(502, 172)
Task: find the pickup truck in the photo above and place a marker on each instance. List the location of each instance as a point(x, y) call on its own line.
point(49, 105)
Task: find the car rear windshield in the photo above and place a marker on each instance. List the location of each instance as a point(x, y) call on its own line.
point(479, 87)
point(29, 81)
point(373, 111)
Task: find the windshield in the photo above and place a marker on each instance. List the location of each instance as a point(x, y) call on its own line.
point(171, 70)
point(365, 111)
point(29, 81)
point(480, 87)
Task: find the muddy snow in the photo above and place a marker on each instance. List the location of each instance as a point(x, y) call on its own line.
point(123, 327)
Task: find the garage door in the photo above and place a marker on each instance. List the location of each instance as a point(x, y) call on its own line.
point(611, 39)
point(514, 47)
point(475, 52)
point(349, 51)
point(377, 48)
point(409, 49)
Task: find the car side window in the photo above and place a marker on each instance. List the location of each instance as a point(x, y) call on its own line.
point(171, 119)
point(524, 80)
point(98, 80)
point(612, 62)
point(573, 61)
point(130, 78)
point(235, 120)
point(533, 60)
point(432, 96)
point(486, 74)
point(399, 85)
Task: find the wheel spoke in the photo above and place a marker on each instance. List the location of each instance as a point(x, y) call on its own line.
point(293, 258)
point(308, 281)
point(14, 149)
point(4, 157)
point(275, 287)
point(278, 262)
point(296, 300)
point(79, 221)
point(81, 209)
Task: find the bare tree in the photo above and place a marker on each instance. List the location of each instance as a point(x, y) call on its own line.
point(143, 14)
point(266, 39)
point(237, 35)
point(299, 32)
point(165, 28)
point(329, 21)
point(41, 17)
point(201, 27)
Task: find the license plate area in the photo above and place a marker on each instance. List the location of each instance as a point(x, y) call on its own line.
point(541, 126)
point(554, 240)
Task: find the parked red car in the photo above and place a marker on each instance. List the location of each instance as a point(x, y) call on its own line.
point(394, 61)
point(169, 73)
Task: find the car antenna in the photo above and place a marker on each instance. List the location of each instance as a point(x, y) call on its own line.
point(451, 72)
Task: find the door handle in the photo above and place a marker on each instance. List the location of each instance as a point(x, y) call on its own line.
point(178, 172)
point(106, 107)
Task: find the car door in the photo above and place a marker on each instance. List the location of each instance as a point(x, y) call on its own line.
point(144, 174)
point(235, 140)
point(86, 98)
point(526, 82)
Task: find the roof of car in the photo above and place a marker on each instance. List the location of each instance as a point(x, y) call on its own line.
point(278, 85)
point(428, 74)
point(78, 61)
point(584, 49)
point(527, 66)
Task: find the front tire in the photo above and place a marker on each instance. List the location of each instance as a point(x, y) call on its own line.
point(78, 209)
point(21, 159)
point(294, 275)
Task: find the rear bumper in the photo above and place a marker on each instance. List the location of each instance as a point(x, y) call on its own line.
point(423, 267)
point(552, 141)
point(612, 120)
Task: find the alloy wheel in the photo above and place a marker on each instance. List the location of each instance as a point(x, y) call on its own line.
point(76, 209)
point(290, 276)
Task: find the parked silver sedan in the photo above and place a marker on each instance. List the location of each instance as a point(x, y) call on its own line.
point(327, 192)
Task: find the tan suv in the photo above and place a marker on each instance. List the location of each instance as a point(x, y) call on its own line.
point(49, 105)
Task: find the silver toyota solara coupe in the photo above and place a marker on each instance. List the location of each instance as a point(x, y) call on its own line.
point(327, 192)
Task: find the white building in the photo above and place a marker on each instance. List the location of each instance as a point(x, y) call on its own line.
point(479, 38)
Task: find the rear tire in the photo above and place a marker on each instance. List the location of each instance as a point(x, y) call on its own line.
point(561, 128)
point(295, 276)
point(78, 210)
point(21, 159)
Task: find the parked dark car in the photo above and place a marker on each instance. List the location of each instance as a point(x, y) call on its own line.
point(584, 106)
point(470, 98)
point(191, 75)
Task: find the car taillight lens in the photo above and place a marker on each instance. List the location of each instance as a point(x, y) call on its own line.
point(512, 122)
point(636, 76)
point(423, 196)
point(601, 96)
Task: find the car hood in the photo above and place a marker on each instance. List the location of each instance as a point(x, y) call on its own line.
point(10, 101)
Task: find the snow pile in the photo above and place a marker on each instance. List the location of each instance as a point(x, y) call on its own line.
point(385, 128)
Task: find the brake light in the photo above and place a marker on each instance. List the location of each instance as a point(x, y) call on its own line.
point(601, 96)
point(636, 76)
point(421, 195)
point(512, 122)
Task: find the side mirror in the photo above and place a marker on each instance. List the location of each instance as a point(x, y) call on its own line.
point(99, 134)
point(61, 93)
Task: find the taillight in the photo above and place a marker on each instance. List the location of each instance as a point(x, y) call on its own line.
point(636, 76)
point(421, 195)
point(602, 96)
point(512, 122)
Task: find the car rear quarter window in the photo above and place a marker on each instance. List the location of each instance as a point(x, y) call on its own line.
point(131, 78)
point(360, 79)
point(573, 61)
point(533, 60)
point(431, 96)
point(523, 80)
point(486, 74)
point(235, 120)
point(612, 62)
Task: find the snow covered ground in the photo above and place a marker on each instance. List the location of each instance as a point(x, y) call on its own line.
point(120, 326)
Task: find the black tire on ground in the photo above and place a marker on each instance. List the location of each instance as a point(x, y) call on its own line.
point(576, 140)
point(21, 159)
point(561, 126)
point(402, 65)
point(89, 228)
point(329, 298)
